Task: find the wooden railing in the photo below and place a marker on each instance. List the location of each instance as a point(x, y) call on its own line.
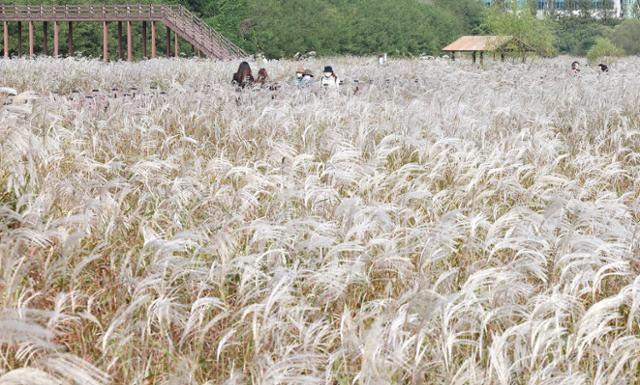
point(213, 35)
point(83, 12)
point(177, 17)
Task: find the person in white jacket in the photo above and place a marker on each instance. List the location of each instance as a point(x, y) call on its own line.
point(329, 78)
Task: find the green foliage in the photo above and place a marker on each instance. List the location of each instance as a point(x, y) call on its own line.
point(363, 27)
point(468, 12)
point(282, 28)
point(576, 35)
point(229, 18)
point(626, 35)
point(524, 26)
point(604, 48)
point(401, 27)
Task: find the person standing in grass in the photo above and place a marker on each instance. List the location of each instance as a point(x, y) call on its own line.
point(243, 78)
point(329, 78)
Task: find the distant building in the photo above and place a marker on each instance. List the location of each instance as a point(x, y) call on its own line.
point(616, 8)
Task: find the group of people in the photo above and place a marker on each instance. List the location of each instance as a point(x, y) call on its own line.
point(243, 78)
point(575, 68)
point(304, 78)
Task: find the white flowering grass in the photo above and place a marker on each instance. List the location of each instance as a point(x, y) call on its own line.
point(442, 224)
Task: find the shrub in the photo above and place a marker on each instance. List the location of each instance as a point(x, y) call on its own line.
point(627, 36)
point(604, 48)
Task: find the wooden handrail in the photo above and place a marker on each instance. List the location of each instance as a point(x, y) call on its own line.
point(212, 34)
point(81, 12)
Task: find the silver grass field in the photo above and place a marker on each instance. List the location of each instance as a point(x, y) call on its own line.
point(440, 224)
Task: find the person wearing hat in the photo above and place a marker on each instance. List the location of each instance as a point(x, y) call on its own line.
point(298, 81)
point(329, 78)
point(307, 78)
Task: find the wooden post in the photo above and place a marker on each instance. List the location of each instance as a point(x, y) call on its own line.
point(56, 39)
point(524, 56)
point(502, 56)
point(105, 41)
point(31, 39)
point(6, 39)
point(474, 57)
point(153, 40)
point(168, 41)
point(129, 42)
point(481, 57)
point(45, 37)
point(120, 52)
point(70, 39)
point(453, 56)
point(19, 39)
point(176, 44)
point(144, 39)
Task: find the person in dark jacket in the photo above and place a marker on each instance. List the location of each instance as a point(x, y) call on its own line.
point(243, 78)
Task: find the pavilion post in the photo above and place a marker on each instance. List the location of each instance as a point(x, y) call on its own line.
point(129, 42)
point(474, 57)
point(19, 39)
point(153, 40)
point(31, 39)
point(453, 56)
point(481, 57)
point(105, 41)
point(144, 39)
point(120, 51)
point(56, 39)
point(70, 39)
point(502, 56)
point(6, 39)
point(45, 38)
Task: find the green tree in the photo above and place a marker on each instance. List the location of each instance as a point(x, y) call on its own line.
point(524, 26)
point(576, 35)
point(360, 27)
point(469, 12)
point(604, 48)
point(626, 35)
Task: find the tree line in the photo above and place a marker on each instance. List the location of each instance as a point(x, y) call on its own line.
point(282, 28)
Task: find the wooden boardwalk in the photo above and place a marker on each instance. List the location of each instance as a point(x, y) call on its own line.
point(176, 18)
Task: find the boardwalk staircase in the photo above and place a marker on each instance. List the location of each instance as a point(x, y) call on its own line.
point(183, 22)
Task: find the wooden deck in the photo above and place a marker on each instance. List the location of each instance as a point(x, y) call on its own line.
point(176, 18)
